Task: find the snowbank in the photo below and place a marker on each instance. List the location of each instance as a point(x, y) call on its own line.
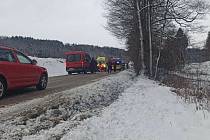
point(53, 116)
point(54, 66)
point(145, 111)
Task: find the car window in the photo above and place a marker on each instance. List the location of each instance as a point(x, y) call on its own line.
point(73, 58)
point(6, 55)
point(23, 59)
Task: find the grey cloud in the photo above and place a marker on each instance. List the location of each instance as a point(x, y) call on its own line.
point(73, 21)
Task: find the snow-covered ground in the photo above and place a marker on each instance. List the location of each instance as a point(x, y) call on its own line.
point(54, 115)
point(118, 107)
point(145, 111)
point(195, 70)
point(201, 67)
point(54, 66)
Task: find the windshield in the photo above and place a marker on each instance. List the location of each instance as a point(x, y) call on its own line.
point(101, 60)
point(73, 58)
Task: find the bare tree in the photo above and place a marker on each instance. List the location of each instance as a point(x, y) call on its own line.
point(144, 25)
point(141, 37)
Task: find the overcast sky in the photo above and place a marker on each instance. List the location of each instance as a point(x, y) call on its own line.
point(199, 37)
point(70, 21)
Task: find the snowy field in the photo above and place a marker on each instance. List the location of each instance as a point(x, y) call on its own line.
point(54, 66)
point(195, 71)
point(202, 69)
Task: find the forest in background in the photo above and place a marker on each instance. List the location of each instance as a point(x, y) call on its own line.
point(55, 48)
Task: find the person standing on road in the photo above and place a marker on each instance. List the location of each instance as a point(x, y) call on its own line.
point(109, 66)
point(93, 65)
point(115, 66)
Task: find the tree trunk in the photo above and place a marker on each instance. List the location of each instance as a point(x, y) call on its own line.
point(141, 54)
point(150, 40)
point(157, 63)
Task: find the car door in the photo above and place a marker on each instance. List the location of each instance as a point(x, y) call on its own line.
point(29, 72)
point(87, 61)
point(9, 68)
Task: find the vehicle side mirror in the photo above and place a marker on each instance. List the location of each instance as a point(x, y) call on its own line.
point(34, 62)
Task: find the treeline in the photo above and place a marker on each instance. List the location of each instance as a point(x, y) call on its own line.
point(56, 49)
point(151, 30)
point(198, 55)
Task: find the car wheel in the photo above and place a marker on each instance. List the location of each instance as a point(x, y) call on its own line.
point(2, 88)
point(79, 72)
point(70, 73)
point(85, 71)
point(42, 82)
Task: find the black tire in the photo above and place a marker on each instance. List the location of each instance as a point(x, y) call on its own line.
point(2, 88)
point(79, 72)
point(85, 71)
point(42, 82)
point(69, 73)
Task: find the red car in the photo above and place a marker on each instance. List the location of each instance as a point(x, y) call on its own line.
point(77, 61)
point(19, 71)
